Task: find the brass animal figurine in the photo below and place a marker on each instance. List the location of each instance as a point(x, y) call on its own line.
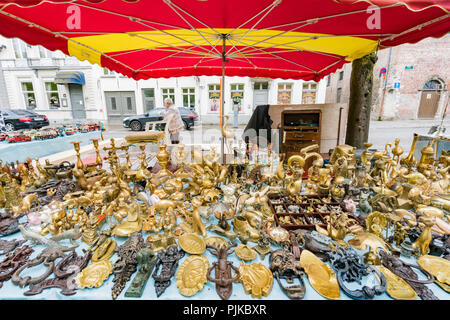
point(422, 244)
point(228, 135)
point(25, 206)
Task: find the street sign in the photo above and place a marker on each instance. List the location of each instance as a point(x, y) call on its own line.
point(409, 67)
point(396, 85)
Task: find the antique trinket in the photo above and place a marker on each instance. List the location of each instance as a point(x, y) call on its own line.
point(46, 257)
point(94, 275)
point(8, 246)
point(216, 241)
point(405, 271)
point(14, 261)
point(284, 266)
point(36, 238)
point(320, 275)
point(222, 276)
point(365, 240)
point(422, 243)
point(256, 278)
point(406, 248)
point(146, 259)
point(105, 250)
point(263, 246)
point(314, 241)
point(191, 275)
point(437, 266)
point(166, 265)
point(8, 224)
point(397, 288)
point(192, 243)
point(126, 265)
point(65, 274)
point(349, 267)
point(278, 234)
point(245, 253)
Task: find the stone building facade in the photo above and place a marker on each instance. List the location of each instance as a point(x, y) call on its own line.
point(64, 89)
point(411, 81)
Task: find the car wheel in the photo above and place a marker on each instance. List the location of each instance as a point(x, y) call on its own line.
point(135, 125)
point(186, 126)
point(9, 127)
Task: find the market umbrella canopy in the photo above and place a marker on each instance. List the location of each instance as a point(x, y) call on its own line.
point(293, 39)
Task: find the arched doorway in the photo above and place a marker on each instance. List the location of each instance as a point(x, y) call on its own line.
point(429, 100)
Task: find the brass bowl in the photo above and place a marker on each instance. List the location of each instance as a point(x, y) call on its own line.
point(245, 253)
point(192, 243)
point(216, 241)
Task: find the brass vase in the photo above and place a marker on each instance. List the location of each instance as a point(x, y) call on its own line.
point(163, 157)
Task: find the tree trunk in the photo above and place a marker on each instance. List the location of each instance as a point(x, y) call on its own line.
point(360, 101)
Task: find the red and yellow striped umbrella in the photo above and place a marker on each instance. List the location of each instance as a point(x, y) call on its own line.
point(295, 39)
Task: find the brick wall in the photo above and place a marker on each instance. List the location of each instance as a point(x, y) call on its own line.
point(411, 65)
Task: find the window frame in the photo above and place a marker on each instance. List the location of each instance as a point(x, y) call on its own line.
point(307, 90)
point(20, 48)
point(144, 99)
point(338, 95)
point(215, 90)
point(26, 92)
point(168, 94)
point(190, 95)
point(284, 89)
point(48, 95)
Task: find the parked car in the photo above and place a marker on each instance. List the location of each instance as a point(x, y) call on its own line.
point(23, 119)
point(137, 122)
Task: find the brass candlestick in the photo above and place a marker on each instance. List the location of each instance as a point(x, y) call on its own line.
point(98, 160)
point(76, 145)
point(180, 157)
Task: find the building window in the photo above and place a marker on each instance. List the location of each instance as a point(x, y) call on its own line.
point(309, 92)
point(214, 97)
point(261, 86)
point(189, 98)
point(149, 98)
point(169, 93)
point(129, 104)
point(52, 95)
point(284, 93)
point(20, 49)
point(328, 81)
point(113, 103)
point(28, 94)
point(108, 72)
point(341, 75)
point(338, 94)
point(237, 95)
point(44, 53)
point(432, 85)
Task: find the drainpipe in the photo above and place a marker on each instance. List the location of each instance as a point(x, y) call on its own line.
point(388, 69)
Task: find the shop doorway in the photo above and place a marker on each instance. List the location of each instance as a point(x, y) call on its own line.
point(429, 99)
point(77, 101)
point(119, 105)
point(260, 94)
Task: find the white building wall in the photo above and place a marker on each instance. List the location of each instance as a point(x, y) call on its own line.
point(97, 83)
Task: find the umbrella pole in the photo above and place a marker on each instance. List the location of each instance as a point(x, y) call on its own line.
point(222, 97)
